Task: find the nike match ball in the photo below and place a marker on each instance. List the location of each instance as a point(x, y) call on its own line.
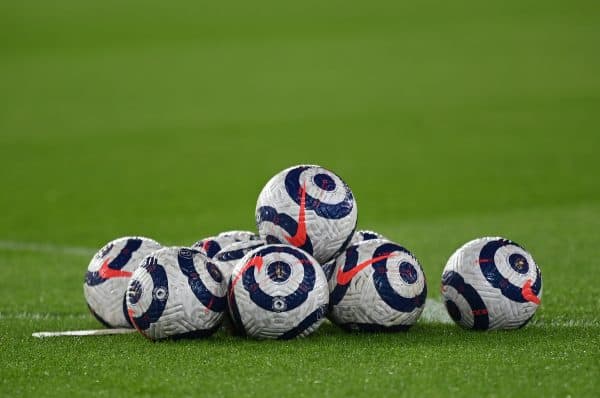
point(227, 258)
point(308, 207)
point(277, 292)
point(176, 293)
point(364, 234)
point(491, 283)
point(212, 245)
point(107, 277)
point(377, 285)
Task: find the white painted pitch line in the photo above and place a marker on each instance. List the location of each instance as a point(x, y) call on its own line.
point(564, 323)
point(95, 332)
point(435, 312)
point(40, 247)
point(38, 316)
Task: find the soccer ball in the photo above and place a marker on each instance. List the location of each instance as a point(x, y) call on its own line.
point(377, 285)
point(212, 245)
point(277, 292)
point(176, 292)
point(227, 258)
point(308, 207)
point(491, 283)
point(364, 234)
point(107, 277)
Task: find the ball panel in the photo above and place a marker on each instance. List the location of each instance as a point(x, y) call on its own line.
point(494, 262)
point(147, 294)
point(307, 325)
point(276, 227)
point(365, 234)
point(214, 244)
point(204, 280)
point(228, 257)
point(334, 201)
point(466, 299)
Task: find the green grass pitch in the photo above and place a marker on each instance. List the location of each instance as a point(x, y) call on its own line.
point(449, 120)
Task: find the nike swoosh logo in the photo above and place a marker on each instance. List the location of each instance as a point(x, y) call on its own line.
point(299, 239)
point(528, 294)
point(132, 319)
point(344, 277)
point(106, 272)
point(254, 262)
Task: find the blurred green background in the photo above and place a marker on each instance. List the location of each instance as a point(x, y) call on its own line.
point(449, 120)
point(167, 118)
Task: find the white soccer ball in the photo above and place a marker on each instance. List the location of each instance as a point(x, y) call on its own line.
point(277, 292)
point(107, 277)
point(365, 234)
point(308, 207)
point(227, 258)
point(176, 292)
point(491, 283)
point(212, 245)
point(377, 285)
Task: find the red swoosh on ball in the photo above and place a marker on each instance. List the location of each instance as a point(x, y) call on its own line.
point(106, 272)
point(299, 238)
point(344, 277)
point(131, 314)
point(253, 262)
point(528, 294)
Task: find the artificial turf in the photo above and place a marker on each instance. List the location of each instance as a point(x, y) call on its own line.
point(448, 120)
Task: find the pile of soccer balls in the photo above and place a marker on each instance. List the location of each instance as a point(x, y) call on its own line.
point(306, 263)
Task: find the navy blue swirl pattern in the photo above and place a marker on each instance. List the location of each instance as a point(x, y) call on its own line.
point(185, 259)
point(132, 245)
point(469, 293)
point(340, 290)
point(496, 279)
point(382, 283)
point(332, 211)
point(380, 279)
point(280, 303)
point(157, 306)
point(307, 322)
point(237, 254)
point(234, 312)
point(282, 220)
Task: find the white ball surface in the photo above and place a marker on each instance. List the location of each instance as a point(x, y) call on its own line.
point(364, 234)
point(212, 245)
point(227, 258)
point(491, 283)
point(308, 207)
point(176, 292)
point(377, 285)
point(108, 274)
point(277, 292)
